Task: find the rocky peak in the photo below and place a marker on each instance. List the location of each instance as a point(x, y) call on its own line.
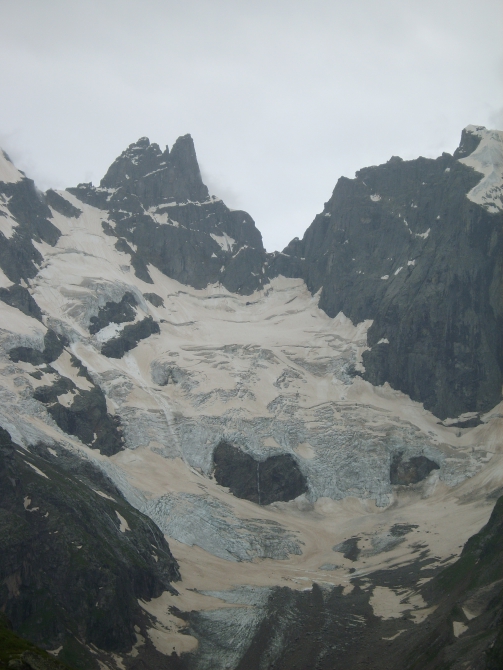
point(157, 176)
point(162, 214)
point(470, 139)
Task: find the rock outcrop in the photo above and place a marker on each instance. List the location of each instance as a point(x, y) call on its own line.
point(162, 214)
point(277, 478)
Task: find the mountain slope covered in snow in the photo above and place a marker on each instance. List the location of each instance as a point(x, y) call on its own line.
point(316, 433)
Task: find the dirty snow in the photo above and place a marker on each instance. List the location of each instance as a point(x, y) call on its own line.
point(8, 173)
point(272, 376)
point(124, 526)
point(488, 160)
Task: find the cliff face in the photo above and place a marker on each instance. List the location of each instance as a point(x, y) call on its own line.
point(414, 246)
point(76, 557)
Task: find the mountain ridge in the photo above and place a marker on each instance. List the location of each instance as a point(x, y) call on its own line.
point(239, 404)
point(433, 375)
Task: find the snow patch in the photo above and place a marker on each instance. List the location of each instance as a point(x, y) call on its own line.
point(123, 523)
point(375, 197)
point(458, 628)
point(7, 225)
point(110, 331)
point(39, 472)
point(488, 160)
point(385, 277)
point(224, 241)
point(398, 270)
point(9, 174)
point(66, 399)
point(104, 495)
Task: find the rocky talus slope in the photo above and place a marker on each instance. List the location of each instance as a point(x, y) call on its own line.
point(214, 457)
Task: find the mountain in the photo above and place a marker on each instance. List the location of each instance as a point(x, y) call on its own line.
point(212, 456)
point(76, 557)
point(403, 245)
point(161, 213)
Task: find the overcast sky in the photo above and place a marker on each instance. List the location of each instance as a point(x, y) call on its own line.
point(282, 97)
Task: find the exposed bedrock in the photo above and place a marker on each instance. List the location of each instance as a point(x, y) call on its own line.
point(410, 471)
point(341, 450)
point(76, 557)
point(162, 215)
point(114, 312)
point(29, 217)
point(19, 297)
point(129, 337)
point(81, 412)
point(154, 299)
point(53, 347)
point(278, 478)
point(61, 205)
point(329, 627)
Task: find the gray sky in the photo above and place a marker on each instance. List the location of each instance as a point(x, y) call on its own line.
point(281, 97)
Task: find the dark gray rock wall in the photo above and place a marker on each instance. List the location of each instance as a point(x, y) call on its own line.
point(325, 628)
point(19, 297)
point(114, 312)
point(86, 416)
point(68, 575)
point(162, 214)
point(59, 204)
point(404, 472)
point(156, 176)
point(53, 347)
point(278, 478)
point(154, 299)
point(402, 244)
point(19, 259)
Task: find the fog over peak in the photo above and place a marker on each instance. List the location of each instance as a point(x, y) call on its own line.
point(281, 98)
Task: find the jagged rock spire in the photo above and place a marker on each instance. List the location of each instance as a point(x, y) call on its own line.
point(157, 176)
